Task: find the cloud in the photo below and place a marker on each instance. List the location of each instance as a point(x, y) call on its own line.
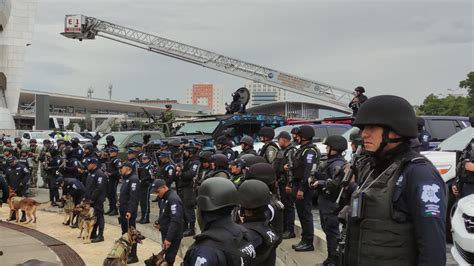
point(407, 48)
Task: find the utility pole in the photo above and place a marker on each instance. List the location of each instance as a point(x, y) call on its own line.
point(110, 91)
point(90, 90)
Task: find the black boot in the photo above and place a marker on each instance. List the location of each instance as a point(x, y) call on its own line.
point(12, 216)
point(304, 247)
point(132, 257)
point(109, 211)
point(23, 217)
point(190, 231)
point(331, 260)
point(97, 239)
point(297, 244)
point(288, 235)
point(76, 223)
point(113, 213)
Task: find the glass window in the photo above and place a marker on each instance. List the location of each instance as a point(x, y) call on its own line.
point(119, 138)
point(458, 141)
point(136, 138)
point(320, 132)
point(441, 129)
point(206, 127)
point(40, 135)
point(336, 130)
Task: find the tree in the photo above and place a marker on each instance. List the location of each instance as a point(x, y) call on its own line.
point(70, 126)
point(468, 84)
point(449, 105)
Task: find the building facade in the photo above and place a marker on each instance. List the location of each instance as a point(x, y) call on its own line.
point(206, 94)
point(16, 34)
point(264, 94)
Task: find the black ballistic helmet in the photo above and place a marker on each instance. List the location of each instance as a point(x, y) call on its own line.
point(247, 140)
point(420, 121)
point(216, 193)
point(266, 132)
point(110, 138)
point(356, 138)
point(254, 194)
point(389, 111)
point(222, 140)
point(33, 141)
point(17, 139)
point(336, 142)
point(295, 130)
point(306, 132)
point(251, 159)
point(68, 150)
point(360, 89)
point(75, 140)
point(88, 146)
point(205, 156)
point(263, 172)
point(220, 160)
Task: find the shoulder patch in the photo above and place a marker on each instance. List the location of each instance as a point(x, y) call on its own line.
point(431, 201)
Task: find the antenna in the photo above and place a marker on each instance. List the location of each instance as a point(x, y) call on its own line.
point(110, 91)
point(90, 90)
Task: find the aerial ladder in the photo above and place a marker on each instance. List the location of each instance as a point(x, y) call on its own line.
point(87, 28)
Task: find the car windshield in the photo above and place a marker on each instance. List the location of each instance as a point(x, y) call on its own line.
point(206, 127)
point(39, 135)
point(119, 138)
point(75, 135)
point(458, 141)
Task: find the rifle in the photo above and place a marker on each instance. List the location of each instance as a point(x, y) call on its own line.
point(290, 166)
point(347, 177)
point(152, 117)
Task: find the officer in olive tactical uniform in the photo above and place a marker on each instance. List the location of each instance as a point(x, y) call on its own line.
point(282, 164)
point(170, 220)
point(465, 170)
point(34, 154)
point(270, 149)
point(128, 204)
point(327, 181)
point(168, 119)
point(185, 184)
point(146, 175)
point(399, 211)
point(254, 197)
point(306, 161)
point(246, 143)
point(44, 158)
point(222, 241)
point(167, 168)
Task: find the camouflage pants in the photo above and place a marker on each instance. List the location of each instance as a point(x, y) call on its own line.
point(34, 175)
point(44, 176)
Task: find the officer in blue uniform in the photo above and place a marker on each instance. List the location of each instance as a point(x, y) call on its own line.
point(74, 188)
point(398, 212)
point(51, 169)
point(17, 179)
point(167, 169)
point(327, 181)
point(254, 197)
point(77, 151)
point(306, 161)
point(128, 204)
point(185, 184)
point(222, 241)
point(88, 153)
point(96, 186)
point(424, 136)
point(132, 157)
point(70, 168)
point(112, 170)
point(224, 146)
point(170, 223)
point(4, 189)
point(146, 176)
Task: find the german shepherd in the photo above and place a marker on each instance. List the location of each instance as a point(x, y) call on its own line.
point(156, 260)
point(18, 204)
point(69, 207)
point(118, 255)
point(87, 220)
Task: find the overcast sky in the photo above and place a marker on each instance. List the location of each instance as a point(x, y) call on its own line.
point(406, 48)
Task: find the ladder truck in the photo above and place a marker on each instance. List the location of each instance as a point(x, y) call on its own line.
point(82, 27)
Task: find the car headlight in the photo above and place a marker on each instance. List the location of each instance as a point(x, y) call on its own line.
point(469, 223)
point(443, 169)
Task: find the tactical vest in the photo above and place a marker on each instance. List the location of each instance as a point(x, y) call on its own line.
point(277, 217)
point(237, 250)
point(381, 235)
point(266, 252)
point(300, 159)
point(219, 173)
point(464, 175)
point(264, 154)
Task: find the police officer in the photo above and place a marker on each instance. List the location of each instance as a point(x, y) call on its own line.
point(205, 157)
point(167, 119)
point(327, 182)
point(18, 147)
point(246, 143)
point(185, 185)
point(358, 100)
point(77, 151)
point(132, 157)
point(109, 139)
point(88, 154)
point(222, 241)
point(236, 168)
point(34, 154)
point(220, 166)
point(399, 211)
point(146, 176)
point(423, 135)
point(96, 186)
point(175, 147)
point(70, 167)
point(269, 149)
point(464, 185)
point(306, 161)
point(294, 135)
point(74, 188)
point(171, 219)
point(113, 165)
point(17, 179)
point(223, 146)
point(167, 169)
point(128, 204)
point(254, 197)
point(286, 156)
point(51, 169)
point(4, 189)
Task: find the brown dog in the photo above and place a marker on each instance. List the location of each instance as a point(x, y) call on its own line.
point(119, 253)
point(87, 220)
point(18, 204)
point(156, 260)
point(69, 207)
